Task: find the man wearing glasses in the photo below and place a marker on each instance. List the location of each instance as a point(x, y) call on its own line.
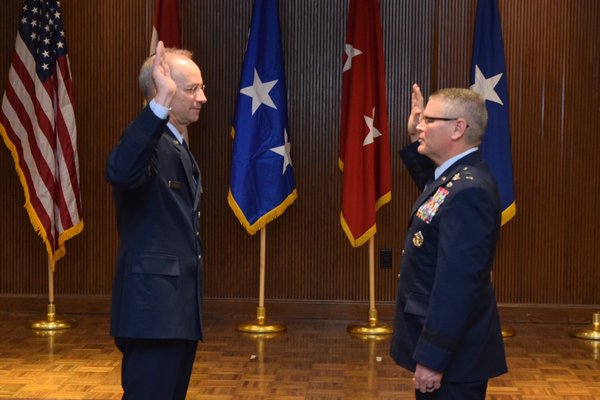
point(157, 289)
point(447, 329)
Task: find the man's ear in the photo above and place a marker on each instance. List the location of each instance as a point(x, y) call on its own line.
point(459, 129)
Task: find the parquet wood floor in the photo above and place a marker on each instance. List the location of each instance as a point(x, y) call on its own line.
point(314, 359)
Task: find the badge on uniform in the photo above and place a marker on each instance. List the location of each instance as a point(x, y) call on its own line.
point(428, 209)
point(418, 239)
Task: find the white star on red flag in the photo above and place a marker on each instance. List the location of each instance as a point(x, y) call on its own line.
point(351, 52)
point(373, 132)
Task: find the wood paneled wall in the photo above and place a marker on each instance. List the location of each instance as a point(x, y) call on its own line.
point(548, 254)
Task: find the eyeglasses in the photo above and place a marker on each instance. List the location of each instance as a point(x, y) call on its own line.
point(194, 90)
point(431, 120)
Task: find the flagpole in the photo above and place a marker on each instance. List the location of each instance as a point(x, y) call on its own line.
point(260, 326)
point(372, 327)
point(260, 311)
point(372, 280)
point(51, 323)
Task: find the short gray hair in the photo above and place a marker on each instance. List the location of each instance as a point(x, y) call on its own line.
point(145, 78)
point(467, 104)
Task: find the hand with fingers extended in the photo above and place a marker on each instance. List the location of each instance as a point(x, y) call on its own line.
point(416, 110)
point(161, 75)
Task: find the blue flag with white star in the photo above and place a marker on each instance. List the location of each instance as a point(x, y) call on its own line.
point(262, 181)
point(488, 78)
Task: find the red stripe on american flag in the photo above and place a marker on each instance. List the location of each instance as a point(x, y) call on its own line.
point(35, 117)
point(41, 167)
point(23, 166)
point(31, 83)
point(37, 168)
point(67, 132)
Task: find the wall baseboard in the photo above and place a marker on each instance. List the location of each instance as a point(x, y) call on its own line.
point(244, 310)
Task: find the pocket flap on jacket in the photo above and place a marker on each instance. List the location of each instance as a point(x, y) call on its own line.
point(417, 304)
point(157, 264)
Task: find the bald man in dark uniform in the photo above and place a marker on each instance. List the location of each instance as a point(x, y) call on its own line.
point(157, 289)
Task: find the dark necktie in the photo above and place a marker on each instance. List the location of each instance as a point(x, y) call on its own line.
point(195, 171)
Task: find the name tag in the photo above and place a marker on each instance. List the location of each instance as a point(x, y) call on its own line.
point(175, 184)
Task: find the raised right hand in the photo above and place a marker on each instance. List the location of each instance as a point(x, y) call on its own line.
point(161, 75)
point(417, 106)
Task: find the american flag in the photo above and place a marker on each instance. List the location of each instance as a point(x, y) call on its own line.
point(37, 122)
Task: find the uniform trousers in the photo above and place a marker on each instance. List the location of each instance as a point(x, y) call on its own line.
point(156, 369)
point(456, 391)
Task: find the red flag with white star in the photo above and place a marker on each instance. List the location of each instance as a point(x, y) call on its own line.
point(364, 156)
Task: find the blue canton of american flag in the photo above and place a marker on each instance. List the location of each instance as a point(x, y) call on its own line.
point(262, 182)
point(37, 123)
point(42, 32)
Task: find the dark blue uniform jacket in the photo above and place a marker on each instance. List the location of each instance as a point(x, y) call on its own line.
point(157, 288)
point(446, 314)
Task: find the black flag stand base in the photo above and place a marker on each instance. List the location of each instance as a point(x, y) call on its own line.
point(372, 328)
point(51, 323)
point(260, 326)
point(590, 334)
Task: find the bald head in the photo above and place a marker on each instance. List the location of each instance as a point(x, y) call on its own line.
point(174, 58)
